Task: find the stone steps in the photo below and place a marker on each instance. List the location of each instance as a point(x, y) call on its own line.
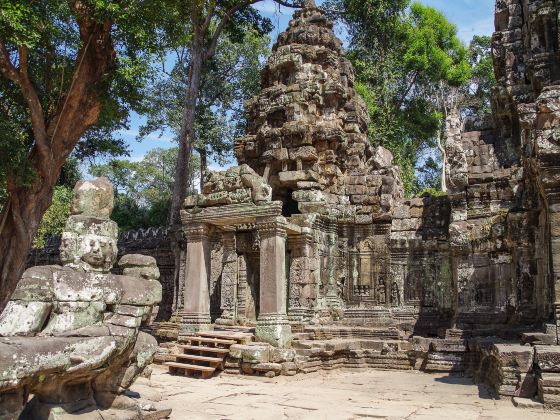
point(204, 372)
point(209, 340)
point(211, 360)
point(204, 349)
point(205, 353)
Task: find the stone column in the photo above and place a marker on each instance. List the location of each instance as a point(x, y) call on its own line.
point(555, 251)
point(301, 295)
point(196, 308)
point(332, 297)
point(272, 323)
point(242, 289)
point(229, 280)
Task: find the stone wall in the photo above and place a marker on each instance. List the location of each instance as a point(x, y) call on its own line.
point(526, 110)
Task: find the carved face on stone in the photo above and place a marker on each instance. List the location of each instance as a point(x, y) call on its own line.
point(90, 253)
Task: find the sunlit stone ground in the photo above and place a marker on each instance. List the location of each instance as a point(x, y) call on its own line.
point(340, 394)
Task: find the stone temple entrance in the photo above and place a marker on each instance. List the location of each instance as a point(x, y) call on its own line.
point(251, 233)
point(313, 228)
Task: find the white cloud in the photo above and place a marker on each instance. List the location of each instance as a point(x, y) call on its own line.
point(267, 6)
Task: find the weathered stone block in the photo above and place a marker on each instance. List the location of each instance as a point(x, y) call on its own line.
point(278, 355)
point(267, 367)
point(548, 358)
point(23, 318)
point(251, 353)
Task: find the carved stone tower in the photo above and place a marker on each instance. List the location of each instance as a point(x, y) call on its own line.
point(307, 131)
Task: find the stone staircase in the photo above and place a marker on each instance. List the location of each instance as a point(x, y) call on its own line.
point(204, 352)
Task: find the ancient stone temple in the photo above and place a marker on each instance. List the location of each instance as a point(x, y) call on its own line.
point(306, 256)
point(312, 227)
point(298, 229)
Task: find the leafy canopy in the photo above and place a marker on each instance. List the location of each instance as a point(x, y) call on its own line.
point(401, 53)
point(143, 189)
point(54, 220)
point(48, 31)
point(232, 76)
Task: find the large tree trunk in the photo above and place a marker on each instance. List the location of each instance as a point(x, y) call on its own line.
point(56, 135)
point(183, 167)
point(21, 215)
point(183, 175)
point(443, 161)
point(203, 166)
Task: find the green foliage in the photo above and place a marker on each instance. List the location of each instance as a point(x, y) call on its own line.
point(374, 25)
point(433, 51)
point(428, 175)
point(49, 31)
point(477, 93)
point(70, 173)
point(232, 76)
point(54, 220)
point(431, 191)
point(142, 189)
point(401, 54)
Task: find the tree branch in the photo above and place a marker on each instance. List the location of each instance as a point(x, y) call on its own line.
point(285, 3)
point(225, 19)
point(37, 115)
point(21, 78)
point(403, 98)
point(6, 66)
point(229, 14)
point(208, 19)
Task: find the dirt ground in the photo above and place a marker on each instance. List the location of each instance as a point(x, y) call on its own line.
point(340, 394)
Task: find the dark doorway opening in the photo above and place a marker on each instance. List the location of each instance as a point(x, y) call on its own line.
point(289, 206)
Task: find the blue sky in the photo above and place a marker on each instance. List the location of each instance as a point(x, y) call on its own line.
point(471, 17)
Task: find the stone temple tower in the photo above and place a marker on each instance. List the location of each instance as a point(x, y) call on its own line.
point(307, 133)
point(277, 238)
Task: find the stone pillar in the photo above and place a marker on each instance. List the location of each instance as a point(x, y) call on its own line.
point(196, 308)
point(301, 290)
point(555, 251)
point(229, 280)
point(242, 289)
point(272, 323)
point(332, 297)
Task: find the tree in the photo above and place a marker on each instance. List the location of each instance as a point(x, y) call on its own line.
point(477, 91)
point(470, 95)
point(436, 54)
point(401, 53)
point(231, 77)
point(67, 69)
point(208, 20)
point(142, 189)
